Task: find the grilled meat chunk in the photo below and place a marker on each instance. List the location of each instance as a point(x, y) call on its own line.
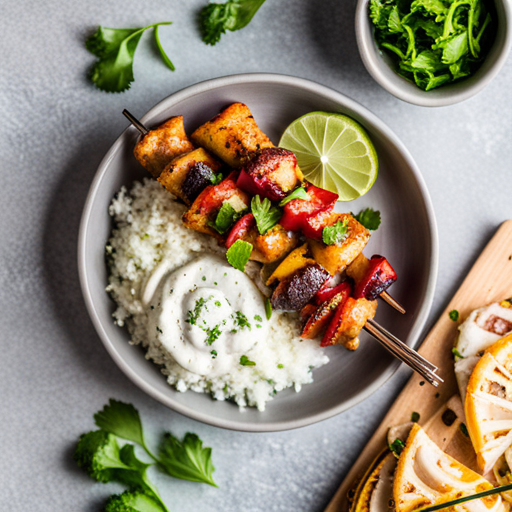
point(267, 248)
point(232, 135)
point(205, 208)
point(158, 147)
point(272, 173)
point(296, 291)
point(348, 321)
point(336, 258)
point(377, 277)
point(186, 176)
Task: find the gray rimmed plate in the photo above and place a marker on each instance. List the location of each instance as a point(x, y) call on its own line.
point(407, 236)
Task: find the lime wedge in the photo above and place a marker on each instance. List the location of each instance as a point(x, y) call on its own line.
point(333, 152)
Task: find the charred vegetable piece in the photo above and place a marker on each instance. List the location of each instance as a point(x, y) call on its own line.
point(298, 210)
point(314, 225)
point(272, 174)
point(306, 312)
point(233, 135)
point(336, 258)
point(186, 176)
point(327, 292)
point(294, 261)
point(319, 320)
point(379, 276)
point(205, 208)
point(297, 290)
point(158, 147)
point(240, 229)
point(347, 323)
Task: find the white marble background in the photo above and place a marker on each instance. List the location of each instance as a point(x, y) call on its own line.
point(55, 128)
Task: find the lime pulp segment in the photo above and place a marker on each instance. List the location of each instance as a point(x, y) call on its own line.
point(334, 152)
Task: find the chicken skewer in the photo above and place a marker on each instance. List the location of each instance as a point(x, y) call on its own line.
point(169, 141)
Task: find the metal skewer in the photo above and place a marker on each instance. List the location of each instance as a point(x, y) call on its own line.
point(392, 302)
point(142, 129)
point(404, 353)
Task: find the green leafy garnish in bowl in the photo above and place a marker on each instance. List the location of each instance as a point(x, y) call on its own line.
point(434, 41)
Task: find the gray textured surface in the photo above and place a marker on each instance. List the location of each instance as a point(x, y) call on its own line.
point(55, 129)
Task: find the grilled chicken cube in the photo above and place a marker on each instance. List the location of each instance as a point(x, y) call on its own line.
point(186, 176)
point(272, 173)
point(267, 248)
point(348, 321)
point(233, 135)
point(336, 258)
point(205, 208)
point(293, 293)
point(158, 147)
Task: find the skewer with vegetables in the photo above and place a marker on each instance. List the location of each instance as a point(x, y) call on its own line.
point(253, 198)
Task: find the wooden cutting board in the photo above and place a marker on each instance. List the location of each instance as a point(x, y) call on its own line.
point(489, 280)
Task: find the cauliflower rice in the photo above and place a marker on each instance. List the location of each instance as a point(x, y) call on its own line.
point(148, 230)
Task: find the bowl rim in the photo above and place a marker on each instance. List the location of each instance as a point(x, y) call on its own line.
point(195, 90)
point(419, 97)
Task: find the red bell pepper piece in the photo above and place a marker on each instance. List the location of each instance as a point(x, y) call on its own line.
point(240, 229)
point(328, 292)
point(314, 225)
point(330, 333)
point(379, 276)
point(298, 210)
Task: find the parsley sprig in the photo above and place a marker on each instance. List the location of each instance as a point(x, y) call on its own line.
point(266, 215)
point(215, 19)
point(115, 50)
point(369, 218)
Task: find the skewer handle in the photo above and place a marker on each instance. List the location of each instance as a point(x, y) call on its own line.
point(142, 129)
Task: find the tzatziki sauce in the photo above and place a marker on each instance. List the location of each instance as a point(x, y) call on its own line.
point(207, 315)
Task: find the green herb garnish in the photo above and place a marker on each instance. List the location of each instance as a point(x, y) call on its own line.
point(369, 218)
point(258, 318)
point(397, 447)
point(214, 354)
point(415, 417)
point(238, 254)
point(194, 315)
point(298, 193)
point(215, 19)
point(266, 215)
point(434, 42)
point(454, 315)
point(334, 235)
point(226, 217)
point(212, 335)
point(241, 320)
point(280, 366)
point(456, 353)
point(217, 178)
point(268, 308)
point(244, 361)
point(115, 50)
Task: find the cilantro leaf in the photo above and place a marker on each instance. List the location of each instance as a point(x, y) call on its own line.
point(334, 235)
point(115, 50)
point(266, 215)
point(187, 460)
point(369, 218)
point(298, 193)
point(215, 19)
point(122, 420)
point(226, 217)
point(244, 361)
point(238, 254)
point(454, 315)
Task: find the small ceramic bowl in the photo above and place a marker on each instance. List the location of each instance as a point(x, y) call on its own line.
point(381, 66)
point(407, 236)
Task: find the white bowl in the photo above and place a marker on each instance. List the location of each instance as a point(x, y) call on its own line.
point(381, 66)
point(408, 237)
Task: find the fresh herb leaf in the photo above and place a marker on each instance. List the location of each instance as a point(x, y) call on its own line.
point(226, 217)
point(334, 235)
point(213, 334)
point(164, 56)
point(268, 308)
point(215, 19)
point(415, 417)
point(258, 318)
point(456, 353)
point(266, 215)
point(187, 459)
point(369, 218)
point(115, 50)
point(217, 178)
point(238, 254)
point(244, 361)
point(454, 315)
point(397, 447)
point(298, 193)
point(132, 502)
point(241, 320)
